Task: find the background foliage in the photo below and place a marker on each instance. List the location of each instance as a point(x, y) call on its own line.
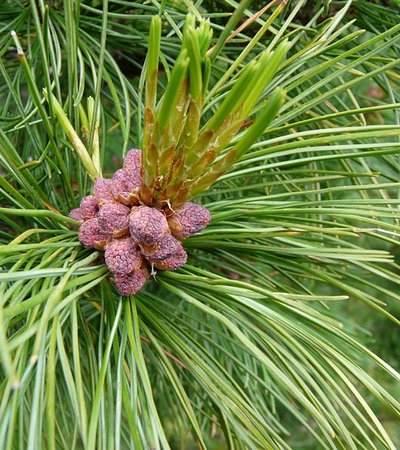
point(281, 330)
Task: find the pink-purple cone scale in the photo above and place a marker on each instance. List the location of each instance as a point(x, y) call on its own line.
point(135, 237)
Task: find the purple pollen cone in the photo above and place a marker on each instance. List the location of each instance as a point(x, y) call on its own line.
point(163, 249)
point(133, 160)
point(114, 219)
point(122, 256)
point(173, 262)
point(131, 283)
point(135, 237)
point(147, 225)
point(102, 190)
point(89, 207)
point(91, 235)
point(125, 187)
point(76, 214)
point(188, 220)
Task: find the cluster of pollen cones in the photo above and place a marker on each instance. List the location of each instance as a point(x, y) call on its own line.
point(137, 239)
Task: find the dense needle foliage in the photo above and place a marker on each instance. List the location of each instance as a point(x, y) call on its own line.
point(259, 341)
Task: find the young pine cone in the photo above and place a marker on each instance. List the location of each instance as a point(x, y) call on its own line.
point(122, 256)
point(76, 214)
point(173, 262)
point(163, 249)
point(133, 161)
point(125, 187)
point(91, 235)
point(131, 283)
point(102, 190)
point(89, 207)
point(114, 219)
point(188, 220)
point(147, 225)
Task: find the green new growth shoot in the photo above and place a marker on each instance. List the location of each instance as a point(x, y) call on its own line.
point(149, 156)
point(268, 112)
point(179, 151)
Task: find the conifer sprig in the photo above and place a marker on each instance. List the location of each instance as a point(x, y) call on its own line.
point(280, 332)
